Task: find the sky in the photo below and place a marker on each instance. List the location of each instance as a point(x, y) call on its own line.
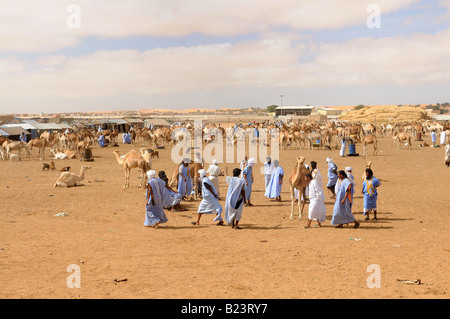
point(59, 56)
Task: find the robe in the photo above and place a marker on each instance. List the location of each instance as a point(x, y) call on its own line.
point(234, 202)
point(443, 135)
point(273, 190)
point(332, 177)
point(184, 187)
point(268, 170)
point(342, 214)
point(248, 177)
point(171, 198)
point(101, 141)
point(214, 172)
point(343, 147)
point(370, 193)
point(209, 204)
point(316, 210)
point(433, 137)
point(155, 211)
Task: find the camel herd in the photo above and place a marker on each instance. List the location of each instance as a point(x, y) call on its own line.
point(293, 135)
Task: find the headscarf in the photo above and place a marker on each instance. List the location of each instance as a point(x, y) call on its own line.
point(251, 162)
point(215, 162)
point(275, 163)
point(347, 169)
point(151, 174)
point(329, 160)
point(202, 173)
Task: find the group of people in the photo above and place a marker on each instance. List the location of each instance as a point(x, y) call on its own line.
point(160, 196)
point(340, 183)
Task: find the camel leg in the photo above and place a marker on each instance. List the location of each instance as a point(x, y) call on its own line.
point(126, 178)
point(303, 202)
point(292, 202)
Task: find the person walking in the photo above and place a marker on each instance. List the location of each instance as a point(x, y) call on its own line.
point(332, 177)
point(155, 196)
point(234, 202)
point(214, 172)
point(210, 202)
point(342, 211)
point(247, 174)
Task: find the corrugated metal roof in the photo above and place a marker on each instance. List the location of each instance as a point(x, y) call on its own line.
point(3, 133)
point(14, 130)
point(25, 126)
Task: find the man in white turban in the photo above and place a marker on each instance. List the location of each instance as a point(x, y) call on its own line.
point(214, 172)
point(155, 201)
point(317, 209)
point(210, 202)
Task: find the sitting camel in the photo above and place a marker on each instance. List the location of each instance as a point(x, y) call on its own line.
point(369, 139)
point(298, 181)
point(133, 160)
point(68, 179)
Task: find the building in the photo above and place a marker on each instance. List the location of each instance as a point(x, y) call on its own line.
point(294, 110)
point(13, 133)
point(328, 111)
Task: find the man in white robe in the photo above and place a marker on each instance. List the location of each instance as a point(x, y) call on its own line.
point(214, 172)
point(234, 202)
point(443, 136)
point(316, 210)
point(210, 202)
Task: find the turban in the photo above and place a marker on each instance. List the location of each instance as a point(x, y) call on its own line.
point(151, 174)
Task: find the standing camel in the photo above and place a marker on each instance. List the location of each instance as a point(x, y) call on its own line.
point(41, 144)
point(133, 160)
point(402, 137)
point(297, 180)
point(16, 145)
point(369, 139)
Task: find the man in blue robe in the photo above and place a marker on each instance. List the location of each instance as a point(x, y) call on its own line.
point(247, 174)
point(155, 196)
point(234, 202)
point(184, 179)
point(101, 141)
point(332, 177)
point(273, 190)
point(342, 211)
point(370, 193)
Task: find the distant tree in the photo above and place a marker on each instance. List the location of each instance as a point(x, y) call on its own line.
point(271, 108)
point(358, 107)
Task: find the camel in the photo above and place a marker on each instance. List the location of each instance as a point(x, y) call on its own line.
point(16, 145)
point(369, 139)
point(297, 180)
point(133, 160)
point(41, 144)
point(68, 179)
point(147, 155)
point(402, 137)
point(368, 165)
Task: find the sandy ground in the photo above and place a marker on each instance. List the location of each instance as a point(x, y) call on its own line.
point(271, 257)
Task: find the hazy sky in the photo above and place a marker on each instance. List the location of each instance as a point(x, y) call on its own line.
point(84, 55)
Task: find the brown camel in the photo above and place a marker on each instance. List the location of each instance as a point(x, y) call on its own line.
point(41, 144)
point(16, 145)
point(369, 139)
point(133, 160)
point(297, 180)
point(402, 137)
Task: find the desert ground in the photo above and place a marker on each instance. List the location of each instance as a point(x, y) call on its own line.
point(272, 257)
